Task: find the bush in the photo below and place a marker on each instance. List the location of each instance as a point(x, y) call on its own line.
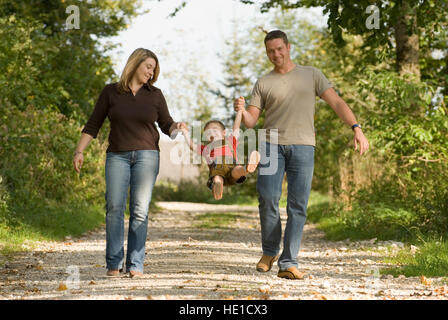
point(41, 196)
point(401, 184)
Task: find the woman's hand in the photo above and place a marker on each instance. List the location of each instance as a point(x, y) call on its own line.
point(177, 127)
point(78, 160)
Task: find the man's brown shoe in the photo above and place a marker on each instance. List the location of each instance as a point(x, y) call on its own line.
point(265, 263)
point(291, 273)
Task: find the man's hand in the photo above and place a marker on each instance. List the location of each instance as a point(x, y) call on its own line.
point(239, 104)
point(361, 141)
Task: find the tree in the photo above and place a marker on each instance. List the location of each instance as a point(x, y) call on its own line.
point(52, 66)
point(402, 24)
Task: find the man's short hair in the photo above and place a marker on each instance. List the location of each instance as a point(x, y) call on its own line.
point(276, 34)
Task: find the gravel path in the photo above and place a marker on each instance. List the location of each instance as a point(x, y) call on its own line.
point(185, 261)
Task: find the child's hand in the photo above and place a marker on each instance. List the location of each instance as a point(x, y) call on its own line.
point(184, 131)
point(239, 104)
point(181, 125)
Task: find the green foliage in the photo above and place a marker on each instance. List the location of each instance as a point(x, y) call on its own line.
point(41, 195)
point(410, 132)
point(45, 64)
point(431, 260)
point(194, 191)
point(215, 220)
point(50, 78)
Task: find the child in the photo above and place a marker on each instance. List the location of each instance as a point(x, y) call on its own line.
point(221, 156)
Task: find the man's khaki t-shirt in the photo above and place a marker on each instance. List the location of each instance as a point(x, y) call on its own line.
point(288, 100)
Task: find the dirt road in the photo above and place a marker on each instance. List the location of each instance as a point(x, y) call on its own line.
point(189, 258)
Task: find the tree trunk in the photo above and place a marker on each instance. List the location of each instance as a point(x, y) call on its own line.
point(407, 41)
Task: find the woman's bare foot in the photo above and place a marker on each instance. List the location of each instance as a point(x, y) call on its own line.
point(254, 160)
point(217, 187)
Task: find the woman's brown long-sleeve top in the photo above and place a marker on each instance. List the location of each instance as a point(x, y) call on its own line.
point(132, 118)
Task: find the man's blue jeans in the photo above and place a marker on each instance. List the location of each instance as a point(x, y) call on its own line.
point(135, 171)
point(297, 161)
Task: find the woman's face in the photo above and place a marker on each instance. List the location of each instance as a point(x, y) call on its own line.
point(145, 70)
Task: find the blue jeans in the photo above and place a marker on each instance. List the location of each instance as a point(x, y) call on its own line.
point(136, 171)
point(297, 161)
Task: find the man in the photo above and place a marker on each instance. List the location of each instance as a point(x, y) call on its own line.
point(287, 94)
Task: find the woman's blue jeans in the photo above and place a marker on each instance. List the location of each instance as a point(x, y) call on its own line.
point(297, 161)
point(135, 171)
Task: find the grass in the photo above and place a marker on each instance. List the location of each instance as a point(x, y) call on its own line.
point(192, 191)
point(48, 223)
point(384, 223)
point(431, 260)
point(217, 220)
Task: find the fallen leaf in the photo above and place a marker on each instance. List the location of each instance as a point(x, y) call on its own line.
point(441, 291)
point(77, 291)
point(425, 281)
point(92, 282)
point(362, 292)
point(265, 289)
point(62, 287)
point(39, 267)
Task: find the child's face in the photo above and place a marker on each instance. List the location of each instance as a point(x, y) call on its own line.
point(214, 132)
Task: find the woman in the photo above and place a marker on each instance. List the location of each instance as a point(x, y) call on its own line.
point(133, 105)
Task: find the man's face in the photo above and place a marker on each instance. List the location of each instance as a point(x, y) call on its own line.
point(278, 52)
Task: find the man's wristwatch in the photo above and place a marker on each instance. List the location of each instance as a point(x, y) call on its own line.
point(356, 125)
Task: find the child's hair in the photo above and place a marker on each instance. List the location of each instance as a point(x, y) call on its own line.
point(223, 127)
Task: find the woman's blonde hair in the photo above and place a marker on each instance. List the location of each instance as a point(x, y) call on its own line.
point(135, 59)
